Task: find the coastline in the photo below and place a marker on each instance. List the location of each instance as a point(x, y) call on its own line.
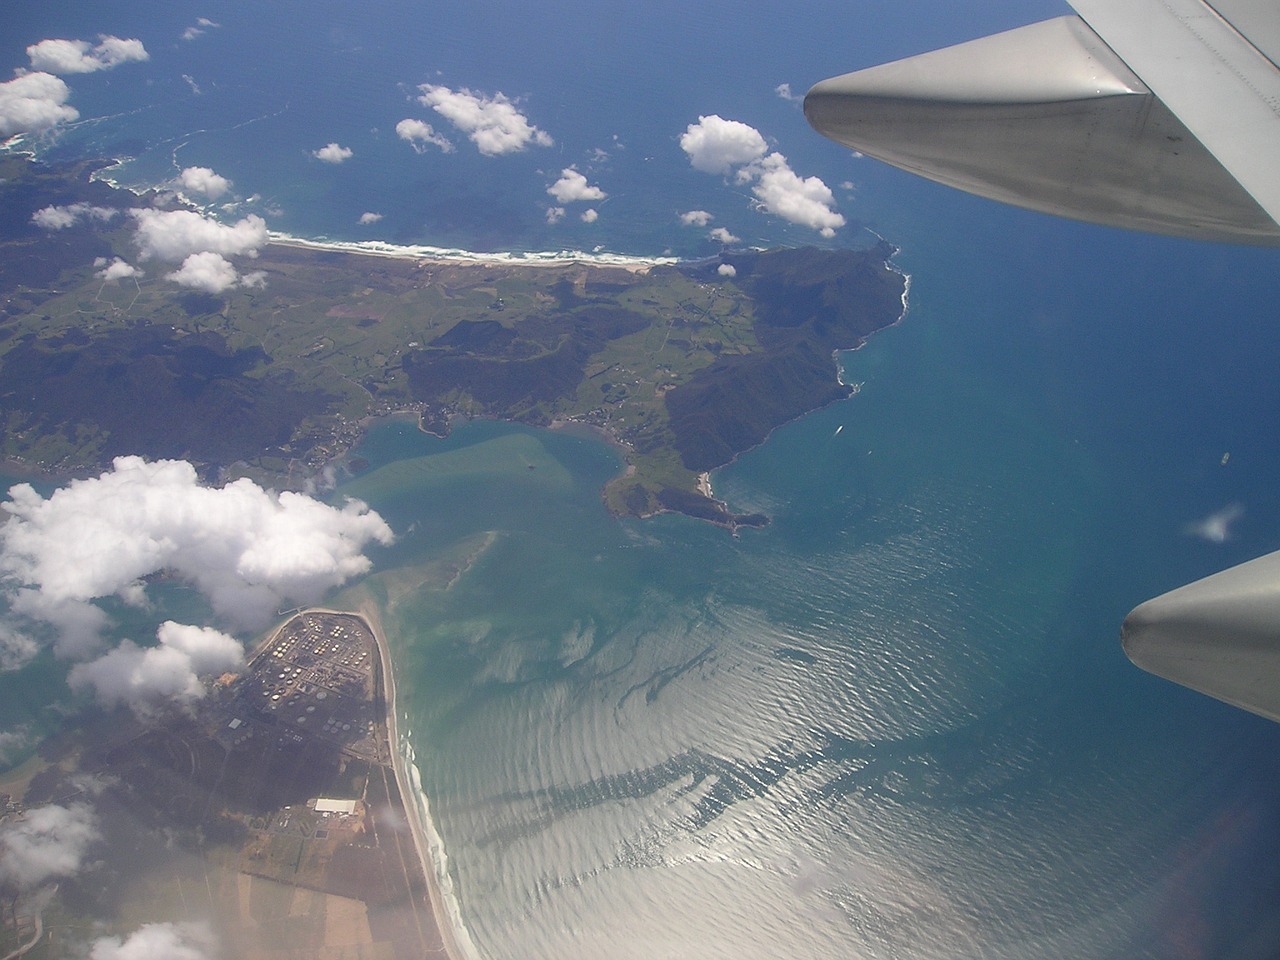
point(448, 255)
point(384, 248)
point(457, 943)
point(338, 436)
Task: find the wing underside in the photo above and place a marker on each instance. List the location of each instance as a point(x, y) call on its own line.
point(1054, 118)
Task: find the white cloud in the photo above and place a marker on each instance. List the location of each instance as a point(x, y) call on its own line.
point(17, 649)
point(117, 269)
point(13, 742)
point(714, 144)
point(804, 200)
point(555, 214)
point(207, 272)
point(79, 625)
point(201, 25)
point(79, 56)
point(572, 186)
point(333, 153)
point(141, 678)
point(245, 548)
point(590, 216)
point(1216, 527)
point(727, 270)
point(696, 218)
point(419, 133)
point(58, 218)
point(34, 102)
point(54, 218)
point(493, 124)
point(784, 91)
point(722, 235)
point(369, 217)
point(159, 941)
point(203, 180)
point(48, 842)
point(174, 235)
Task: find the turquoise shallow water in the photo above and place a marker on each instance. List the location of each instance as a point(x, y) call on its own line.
point(898, 718)
point(896, 722)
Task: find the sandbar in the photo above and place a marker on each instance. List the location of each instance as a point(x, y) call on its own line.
point(457, 943)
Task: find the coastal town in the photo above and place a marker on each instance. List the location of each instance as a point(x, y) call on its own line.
point(286, 782)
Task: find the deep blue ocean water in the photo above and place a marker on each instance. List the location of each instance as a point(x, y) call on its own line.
point(896, 723)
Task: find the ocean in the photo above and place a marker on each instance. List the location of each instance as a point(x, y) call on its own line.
point(896, 722)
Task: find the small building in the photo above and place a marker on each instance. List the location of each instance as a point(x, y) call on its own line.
point(324, 805)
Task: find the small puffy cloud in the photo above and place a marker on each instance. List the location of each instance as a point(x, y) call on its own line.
point(847, 185)
point(142, 678)
point(1216, 527)
point(34, 102)
point(722, 235)
point(727, 270)
point(203, 180)
point(13, 742)
point(17, 649)
point(590, 216)
point(59, 218)
point(117, 269)
point(159, 941)
point(419, 133)
point(493, 124)
point(804, 200)
point(714, 144)
point(174, 235)
point(54, 218)
point(784, 91)
point(369, 217)
point(199, 27)
point(246, 549)
point(696, 218)
point(79, 56)
point(47, 843)
point(333, 153)
point(572, 187)
point(555, 214)
point(207, 272)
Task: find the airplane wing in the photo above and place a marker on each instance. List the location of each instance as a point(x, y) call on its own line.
point(1159, 115)
point(1149, 114)
point(1219, 635)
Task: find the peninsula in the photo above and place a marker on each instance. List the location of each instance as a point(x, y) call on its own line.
point(683, 365)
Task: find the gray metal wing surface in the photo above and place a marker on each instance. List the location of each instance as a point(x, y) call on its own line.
point(1149, 114)
point(1159, 115)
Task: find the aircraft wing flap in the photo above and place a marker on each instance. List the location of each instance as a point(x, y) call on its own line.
point(1196, 62)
